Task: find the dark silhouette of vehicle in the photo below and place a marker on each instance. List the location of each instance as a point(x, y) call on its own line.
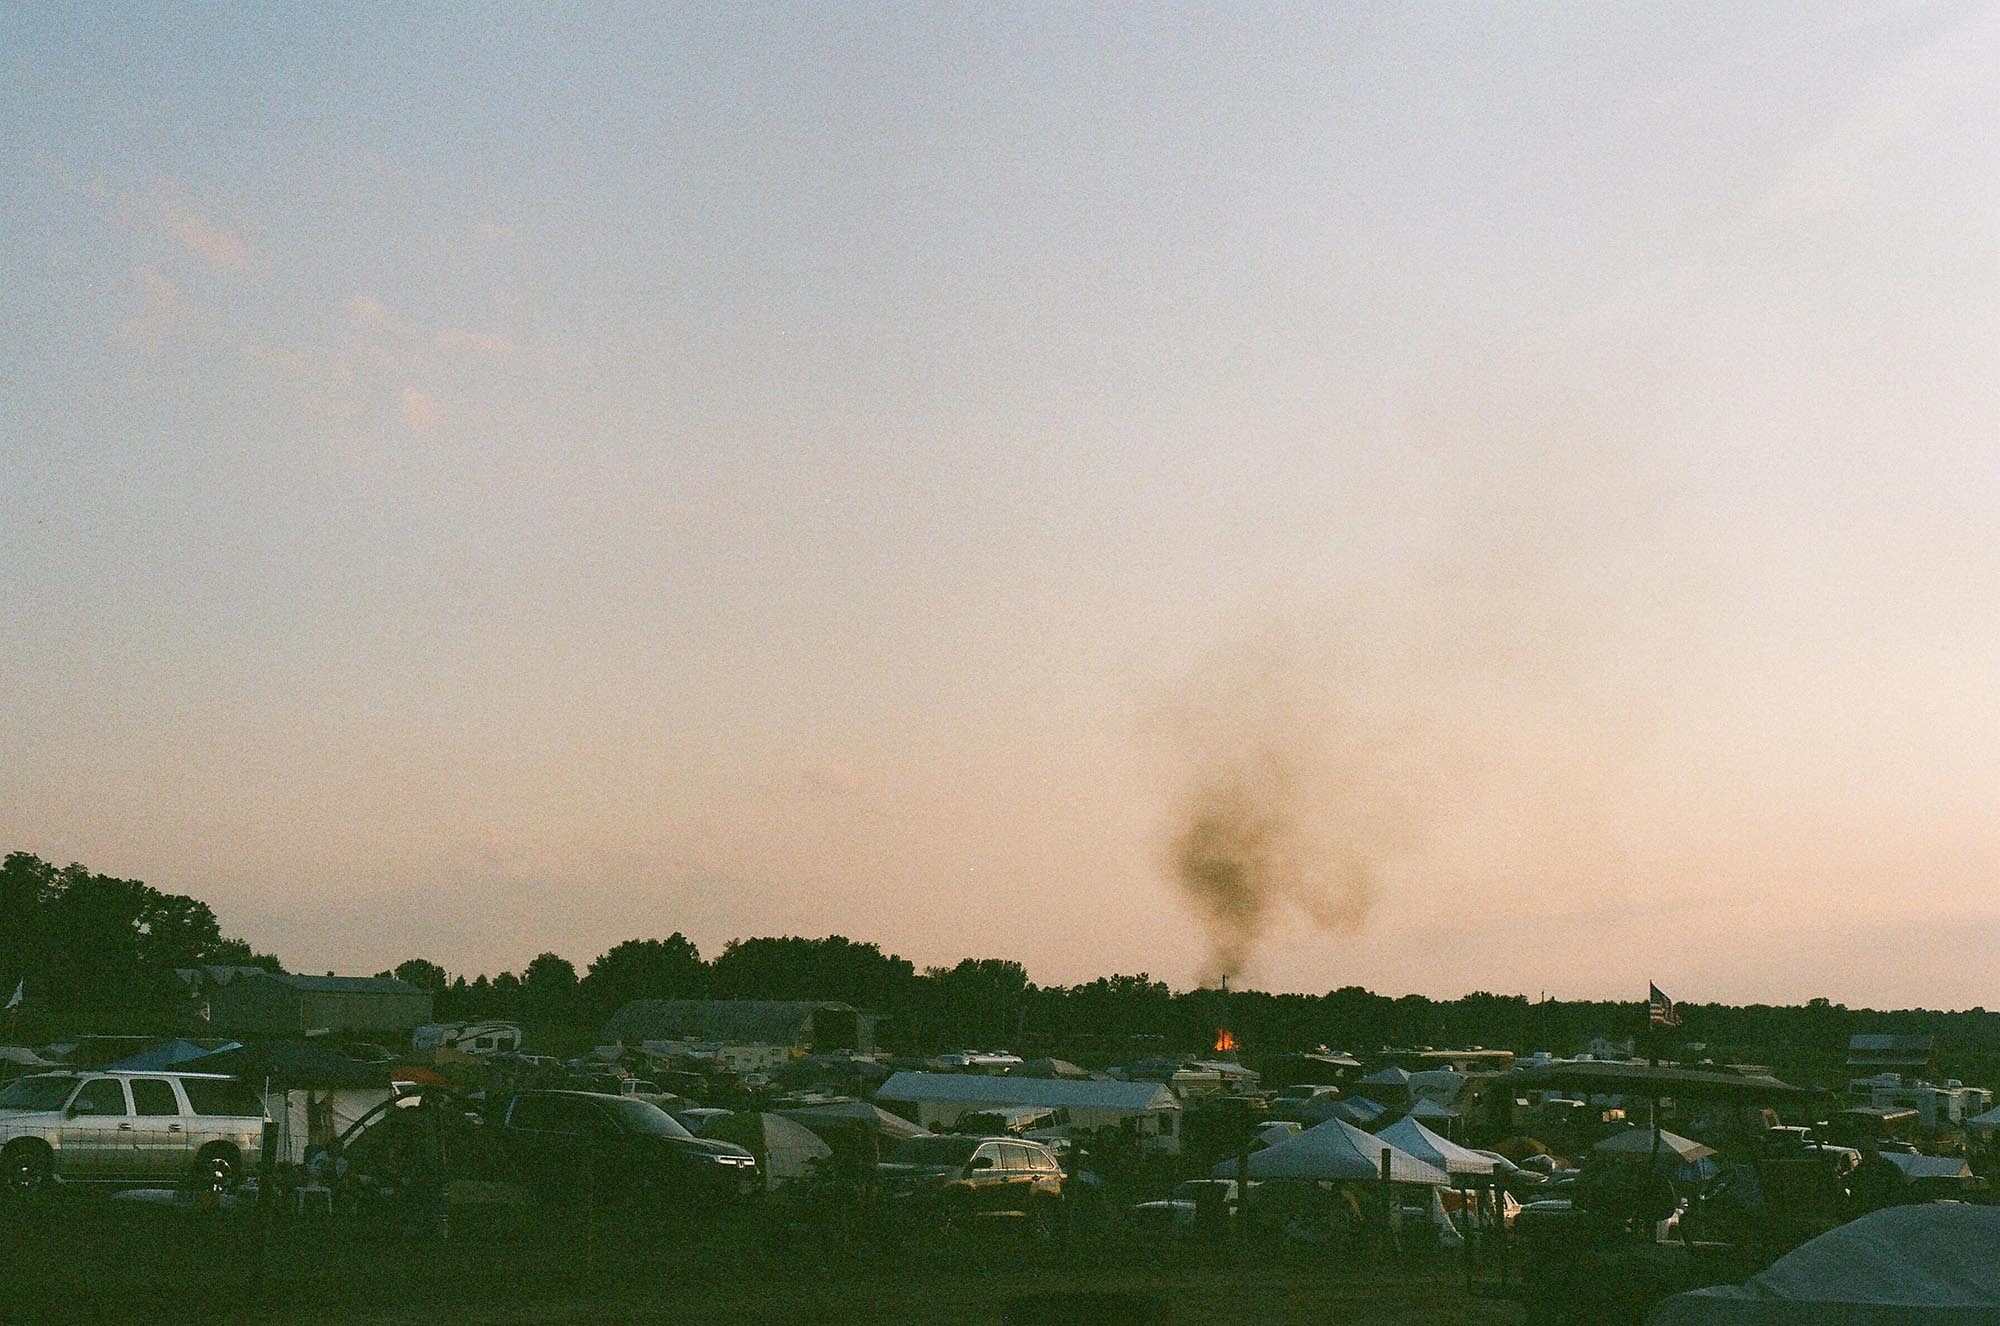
point(570, 1146)
point(629, 1149)
point(953, 1180)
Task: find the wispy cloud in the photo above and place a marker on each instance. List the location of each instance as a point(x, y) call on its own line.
point(486, 343)
point(420, 412)
point(164, 310)
point(1902, 107)
point(372, 314)
point(203, 238)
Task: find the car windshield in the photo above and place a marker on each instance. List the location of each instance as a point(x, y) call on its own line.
point(37, 1093)
point(933, 1151)
point(638, 1116)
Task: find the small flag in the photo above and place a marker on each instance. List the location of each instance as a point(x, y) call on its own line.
point(1661, 1011)
point(20, 987)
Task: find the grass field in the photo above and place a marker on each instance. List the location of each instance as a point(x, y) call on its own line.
point(88, 1259)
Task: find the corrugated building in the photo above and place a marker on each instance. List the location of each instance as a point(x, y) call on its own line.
point(796, 1024)
point(273, 1004)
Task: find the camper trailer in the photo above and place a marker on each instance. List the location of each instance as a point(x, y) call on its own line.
point(489, 1037)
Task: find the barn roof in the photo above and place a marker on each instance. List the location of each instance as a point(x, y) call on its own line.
point(739, 1021)
point(1045, 1092)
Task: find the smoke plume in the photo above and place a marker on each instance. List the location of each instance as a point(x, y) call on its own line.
point(1287, 805)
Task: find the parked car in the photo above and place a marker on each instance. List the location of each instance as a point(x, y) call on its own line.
point(1189, 1204)
point(954, 1179)
point(119, 1127)
point(630, 1148)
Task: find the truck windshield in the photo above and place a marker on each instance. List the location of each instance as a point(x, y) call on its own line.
point(42, 1092)
point(638, 1116)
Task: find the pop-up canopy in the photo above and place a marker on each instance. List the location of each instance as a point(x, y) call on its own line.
point(1639, 1144)
point(290, 1066)
point(1336, 1150)
point(1427, 1146)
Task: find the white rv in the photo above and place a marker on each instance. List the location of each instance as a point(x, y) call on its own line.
point(490, 1037)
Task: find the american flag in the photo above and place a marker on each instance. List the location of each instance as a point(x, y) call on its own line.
point(1661, 1011)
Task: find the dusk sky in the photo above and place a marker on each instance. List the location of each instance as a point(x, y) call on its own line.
point(526, 478)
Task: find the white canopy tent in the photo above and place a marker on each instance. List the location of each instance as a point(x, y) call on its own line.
point(1459, 1162)
point(1987, 1121)
point(1909, 1265)
point(1336, 1150)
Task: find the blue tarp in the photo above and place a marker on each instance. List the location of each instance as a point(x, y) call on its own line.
point(165, 1056)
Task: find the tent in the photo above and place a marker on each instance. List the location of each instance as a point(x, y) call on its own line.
point(1915, 1166)
point(167, 1054)
point(289, 1065)
point(853, 1115)
point(1355, 1109)
point(786, 1152)
point(1460, 1163)
point(416, 1075)
point(1988, 1121)
point(313, 1095)
point(854, 1128)
point(1335, 1150)
point(1430, 1111)
point(1388, 1077)
point(1911, 1265)
point(1282, 1130)
point(1637, 1144)
point(1050, 1068)
point(1660, 1083)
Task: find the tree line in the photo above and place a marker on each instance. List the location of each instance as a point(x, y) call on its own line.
point(103, 949)
point(95, 951)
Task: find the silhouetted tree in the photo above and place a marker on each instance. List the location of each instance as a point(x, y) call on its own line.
point(981, 999)
point(96, 948)
point(669, 968)
point(424, 974)
point(793, 967)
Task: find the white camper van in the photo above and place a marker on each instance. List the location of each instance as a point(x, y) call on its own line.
point(490, 1037)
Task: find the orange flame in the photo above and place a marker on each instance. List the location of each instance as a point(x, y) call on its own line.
point(1224, 1042)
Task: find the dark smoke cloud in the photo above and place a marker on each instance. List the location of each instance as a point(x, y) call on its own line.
point(1288, 804)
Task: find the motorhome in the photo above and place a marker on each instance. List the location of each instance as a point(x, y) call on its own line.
point(489, 1037)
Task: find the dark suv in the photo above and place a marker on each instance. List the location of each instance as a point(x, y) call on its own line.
point(628, 1148)
point(953, 1179)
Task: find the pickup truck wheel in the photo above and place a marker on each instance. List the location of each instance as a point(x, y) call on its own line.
point(27, 1168)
